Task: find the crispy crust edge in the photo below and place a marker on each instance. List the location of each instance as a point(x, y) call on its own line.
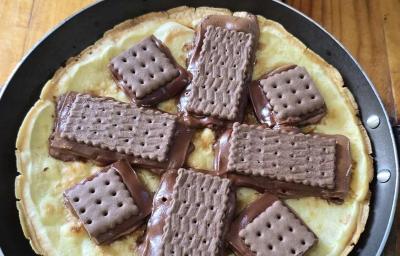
point(186, 16)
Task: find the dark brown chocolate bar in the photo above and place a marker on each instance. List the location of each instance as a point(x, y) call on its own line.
point(111, 203)
point(221, 63)
point(148, 73)
point(285, 162)
point(191, 215)
point(105, 130)
point(269, 227)
point(287, 96)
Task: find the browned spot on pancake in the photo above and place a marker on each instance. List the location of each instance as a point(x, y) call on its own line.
point(261, 46)
point(187, 47)
point(77, 229)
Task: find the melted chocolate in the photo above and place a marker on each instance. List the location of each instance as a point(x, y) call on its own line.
point(68, 150)
point(289, 189)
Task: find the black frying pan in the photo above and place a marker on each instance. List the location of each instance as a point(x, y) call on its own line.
point(86, 27)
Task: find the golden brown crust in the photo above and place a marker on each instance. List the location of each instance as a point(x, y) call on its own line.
point(189, 17)
point(22, 143)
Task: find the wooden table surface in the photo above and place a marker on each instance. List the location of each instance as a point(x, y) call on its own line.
point(370, 29)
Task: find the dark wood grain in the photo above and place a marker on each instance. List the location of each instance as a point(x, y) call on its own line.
point(370, 30)
point(359, 25)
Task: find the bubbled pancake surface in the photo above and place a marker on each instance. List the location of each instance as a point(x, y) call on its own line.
point(53, 230)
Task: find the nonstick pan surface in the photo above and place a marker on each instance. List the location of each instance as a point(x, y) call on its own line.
point(86, 27)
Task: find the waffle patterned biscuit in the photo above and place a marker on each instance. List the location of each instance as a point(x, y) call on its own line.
point(145, 68)
point(290, 95)
point(105, 203)
point(277, 231)
point(104, 130)
point(199, 208)
point(195, 223)
point(285, 162)
point(270, 228)
point(217, 87)
point(290, 157)
point(118, 126)
point(221, 64)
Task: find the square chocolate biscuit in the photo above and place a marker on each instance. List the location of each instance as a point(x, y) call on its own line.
point(269, 227)
point(287, 96)
point(148, 73)
point(191, 215)
point(286, 162)
point(105, 130)
point(111, 203)
point(221, 69)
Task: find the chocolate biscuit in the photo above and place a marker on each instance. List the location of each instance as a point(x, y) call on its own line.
point(287, 96)
point(111, 203)
point(285, 162)
point(148, 73)
point(105, 130)
point(269, 227)
point(221, 63)
point(191, 215)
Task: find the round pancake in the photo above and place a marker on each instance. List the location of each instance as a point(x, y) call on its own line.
point(53, 230)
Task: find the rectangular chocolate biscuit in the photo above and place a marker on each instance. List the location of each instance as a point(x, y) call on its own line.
point(105, 130)
point(148, 73)
point(287, 96)
point(221, 64)
point(285, 162)
point(111, 203)
point(269, 227)
point(191, 215)
point(291, 157)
